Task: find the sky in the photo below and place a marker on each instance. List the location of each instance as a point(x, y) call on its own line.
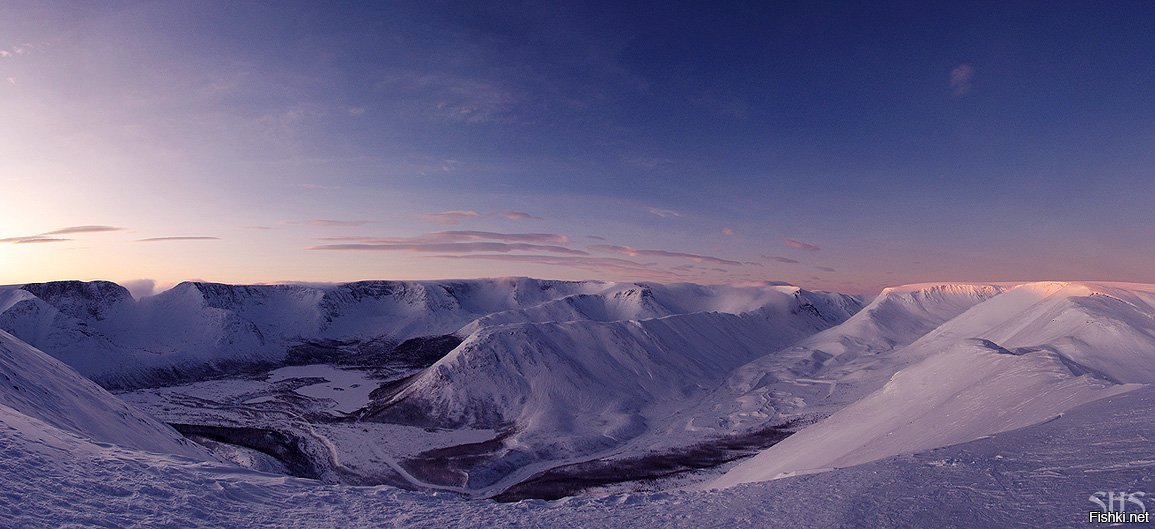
point(834, 145)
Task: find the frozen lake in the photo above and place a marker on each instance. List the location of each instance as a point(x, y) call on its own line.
point(349, 389)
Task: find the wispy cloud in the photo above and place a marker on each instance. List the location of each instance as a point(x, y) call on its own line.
point(82, 229)
point(449, 217)
point(331, 223)
point(34, 239)
point(16, 50)
point(457, 236)
point(786, 260)
point(664, 213)
point(632, 252)
point(960, 79)
point(179, 238)
point(140, 288)
point(600, 265)
point(50, 236)
point(456, 98)
point(799, 245)
point(519, 215)
point(729, 232)
point(596, 237)
point(453, 247)
point(825, 268)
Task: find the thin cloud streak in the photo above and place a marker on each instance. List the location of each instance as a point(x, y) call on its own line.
point(457, 236)
point(786, 260)
point(664, 213)
point(178, 238)
point(600, 265)
point(331, 223)
point(32, 240)
point(455, 247)
point(519, 215)
point(83, 229)
point(449, 217)
point(626, 250)
point(799, 245)
point(48, 235)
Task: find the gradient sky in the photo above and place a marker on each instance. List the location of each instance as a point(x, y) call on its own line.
point(834, 145)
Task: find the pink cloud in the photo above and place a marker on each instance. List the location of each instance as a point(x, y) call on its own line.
point(49, 236)
point(83, 229)
point(729, 232)
point(330, 223)
point(519, 215)
point(960, 79)
point(786, 260)
point(599, 265)
point(632, 252)
point(799, 245)
point(35, 239)
point(453, 247)
point(178, 238)
point(449, 217)
point(457, 236)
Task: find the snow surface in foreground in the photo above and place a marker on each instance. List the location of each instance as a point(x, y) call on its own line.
point(1039, 476)
point(37, 385)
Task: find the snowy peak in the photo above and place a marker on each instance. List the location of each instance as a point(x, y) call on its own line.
point(95, 300)
point(201, 327)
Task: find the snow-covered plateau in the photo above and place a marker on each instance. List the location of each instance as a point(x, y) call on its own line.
point(531, 403)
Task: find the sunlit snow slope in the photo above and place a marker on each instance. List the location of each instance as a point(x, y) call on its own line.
point(1018, 358)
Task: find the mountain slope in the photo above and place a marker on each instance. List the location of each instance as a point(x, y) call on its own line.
point(568, 389)
point(829, 369)
point(196, 327)
point(1018, 358)
point(41, 387)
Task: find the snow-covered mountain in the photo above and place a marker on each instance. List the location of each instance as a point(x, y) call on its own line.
point(1017, 358)
point(839, 365)
point(584, 375)
point(195, 327)
point(1049, 472)
point(37, 386)
point(551, 379)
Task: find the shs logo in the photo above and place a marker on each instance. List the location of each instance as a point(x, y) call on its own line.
point(1119, 501)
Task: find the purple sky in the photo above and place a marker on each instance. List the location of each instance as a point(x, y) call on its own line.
point(842, 146)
